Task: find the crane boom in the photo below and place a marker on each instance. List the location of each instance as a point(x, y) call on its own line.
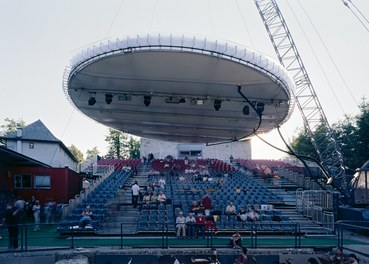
point(306, 98)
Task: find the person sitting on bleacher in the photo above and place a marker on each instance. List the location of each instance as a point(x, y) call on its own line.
point(86, 219)
point(146, 200)
point(181, 225)
point(190, 222)
point(162, 198)
point(154, 198)
point(200, 225)
point(230, 209)
point(252, 216)
point(195, 207)
point(242, 215)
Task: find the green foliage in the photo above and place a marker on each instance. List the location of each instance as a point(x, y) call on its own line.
point(121, 145)
point(351, 134)
point(11, 125)
point(76, 153)
point(301, 144)
point(90, 153)
point(134, 148)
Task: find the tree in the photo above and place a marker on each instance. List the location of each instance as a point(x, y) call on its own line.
point(362, 133)
point(121, 145)
point(301, 144)
point(134, 148)
point(92, 153)
point(76, 153)
point(351, 135)
point(346, 138)
point(11, 125)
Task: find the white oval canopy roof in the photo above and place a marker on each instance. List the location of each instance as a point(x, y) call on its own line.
point(179, 89)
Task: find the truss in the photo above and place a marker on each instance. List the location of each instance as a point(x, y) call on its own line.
point(306, 98)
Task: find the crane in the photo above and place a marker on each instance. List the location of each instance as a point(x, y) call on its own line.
point(306, 99)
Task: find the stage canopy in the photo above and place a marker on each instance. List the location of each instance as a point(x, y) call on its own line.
point(180, 89)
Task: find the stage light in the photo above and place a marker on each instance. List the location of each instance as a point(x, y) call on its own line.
point(217, 104)
point(108, 98)
point(246, 110)
point(147, 100)
point(259, 106)
point(92, 99)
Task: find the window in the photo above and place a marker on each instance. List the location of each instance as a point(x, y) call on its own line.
point(31, 145)
point(22, 182)
point(42, 182)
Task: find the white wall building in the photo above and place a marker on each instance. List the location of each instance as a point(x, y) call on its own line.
point(37, 142)
point(161, 149)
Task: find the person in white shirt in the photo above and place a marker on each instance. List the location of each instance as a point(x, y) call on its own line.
point(230, 209)
point(162, 183)
point(36, 215)
point(162, 197)
point(190, 222)
point(135, 194)
point(181, 225)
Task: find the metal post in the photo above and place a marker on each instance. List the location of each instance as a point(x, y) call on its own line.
point(162, 236)
point(299, 228)
point(121, 236)
point(26, 238)
point(22, 237)
point(72, 246)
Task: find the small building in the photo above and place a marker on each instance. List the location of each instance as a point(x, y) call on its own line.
point(33, 162)
point(37, 142)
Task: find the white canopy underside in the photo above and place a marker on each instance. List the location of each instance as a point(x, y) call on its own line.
point(183, 77)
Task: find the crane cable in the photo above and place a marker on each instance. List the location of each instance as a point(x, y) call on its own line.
point(115, 16)
point(346, 3)
point(329, 54)
point(333, 61)
point(244, 24)
point(317, 59)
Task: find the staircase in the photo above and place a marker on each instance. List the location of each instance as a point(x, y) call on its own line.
point(121, 208)
point(307, 226)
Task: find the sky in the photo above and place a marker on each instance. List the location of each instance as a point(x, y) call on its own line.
point(40, 37)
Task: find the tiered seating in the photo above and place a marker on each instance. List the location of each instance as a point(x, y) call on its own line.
point(257, 164)
point(152, 218)
point(98, 200)
point(182, 165)
point(120, 164)
point(185, 191)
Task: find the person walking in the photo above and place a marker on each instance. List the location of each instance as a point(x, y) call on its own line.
point(135, 194)
point(36, 215)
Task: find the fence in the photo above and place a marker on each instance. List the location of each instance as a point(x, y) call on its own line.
point(48, 237)
point(314, 204)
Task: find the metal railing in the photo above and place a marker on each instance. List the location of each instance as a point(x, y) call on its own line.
point(78, 199)
point(253, 237)
point(164, 237)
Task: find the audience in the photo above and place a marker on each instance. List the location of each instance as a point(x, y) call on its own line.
point(231, 209)
point(181, 225)
point(206, 202)
point(86, 219)
point(252, 216)
point(200, 225)
point(190, 222)
point(162, 197)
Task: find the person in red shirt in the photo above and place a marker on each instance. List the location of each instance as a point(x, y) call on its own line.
point(206, 202)
point(200, 225)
